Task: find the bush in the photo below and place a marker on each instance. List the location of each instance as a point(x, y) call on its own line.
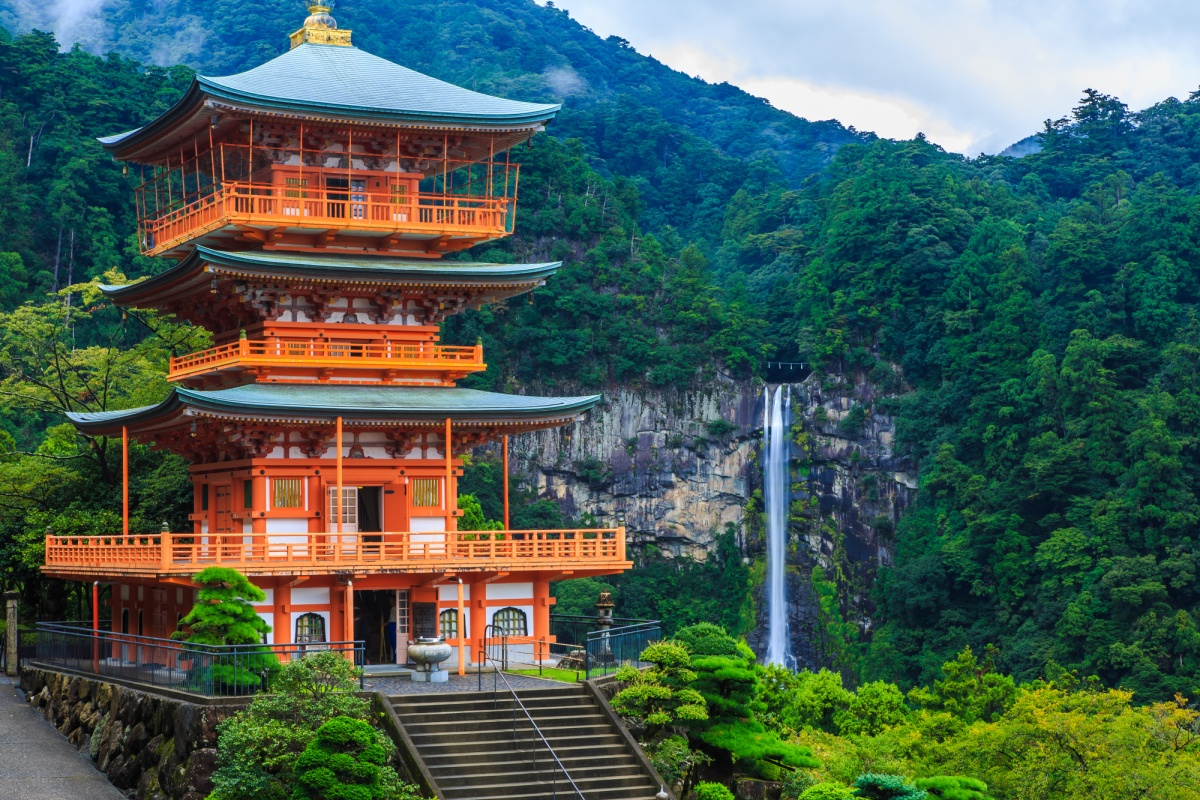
point(886, 787)
point(344, 762)
point(257, 749)
point(713, 791)
point(676, 761)
point(954, 787)
point(828, 791)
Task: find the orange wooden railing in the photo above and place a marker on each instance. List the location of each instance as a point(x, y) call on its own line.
point(254, 203)
point(324, 354)
point(264, 553)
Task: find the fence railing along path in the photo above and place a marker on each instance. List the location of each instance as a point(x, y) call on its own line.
point(209, 670)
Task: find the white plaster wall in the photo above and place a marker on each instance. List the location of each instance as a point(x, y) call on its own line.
point(314, 596)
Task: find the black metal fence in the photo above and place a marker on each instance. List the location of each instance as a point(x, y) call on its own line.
point(210, 670)
point(584, 644)
point(608, 650)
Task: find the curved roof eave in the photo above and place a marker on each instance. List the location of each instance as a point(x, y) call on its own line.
point(336, 266)
point(351, 402)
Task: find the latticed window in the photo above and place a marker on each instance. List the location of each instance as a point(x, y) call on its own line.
point(296, 187)
point(310, 627)
point(512, 622)
point(426, 492)
point(287, 492)
point(448, 624)
point(399, 193)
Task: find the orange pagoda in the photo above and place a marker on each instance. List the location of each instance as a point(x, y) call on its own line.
point(308, 203)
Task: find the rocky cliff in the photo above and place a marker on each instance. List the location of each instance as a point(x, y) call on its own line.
point(681, 467)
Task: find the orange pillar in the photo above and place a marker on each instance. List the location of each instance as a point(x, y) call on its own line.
point(280, 621)
point(462, 631)
point(478, 618)
point(124, 481)
point(348, 625)
point(504, 450)
point(446, 493)
point(541, 611)
point(337, 504)
point(96, 626)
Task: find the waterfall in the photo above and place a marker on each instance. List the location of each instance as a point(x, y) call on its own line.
point(777, 493)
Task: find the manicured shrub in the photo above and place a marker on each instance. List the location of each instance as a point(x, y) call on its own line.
point(954, 787)
point(343, 762)
point(713, 791)
point(223, 615)
point(886, 787)
point(827, 791)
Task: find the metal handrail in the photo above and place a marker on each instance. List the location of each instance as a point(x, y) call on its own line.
point(498, 675)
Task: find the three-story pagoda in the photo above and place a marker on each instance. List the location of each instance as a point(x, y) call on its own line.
point(308, 203)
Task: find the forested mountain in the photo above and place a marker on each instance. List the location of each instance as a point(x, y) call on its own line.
point(683, 141)
point(1030, 323)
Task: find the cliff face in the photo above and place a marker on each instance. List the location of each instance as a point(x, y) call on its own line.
point(676, 466)
point(680, 467)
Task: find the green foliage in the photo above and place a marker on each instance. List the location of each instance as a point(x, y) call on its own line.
point(472, 518)
point(953, 787)
point(578, 597)
point(720, 428)
point(886, 787)
point(713, 791)
point(827, 791)
point(663, 695)
point(258, 748)
point(224, 613)
point(344, 761)
point(682, 592)
point(676, 761)
point(795, 783)
point(969, 690)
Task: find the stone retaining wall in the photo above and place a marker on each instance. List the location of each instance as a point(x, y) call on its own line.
point(160, 747)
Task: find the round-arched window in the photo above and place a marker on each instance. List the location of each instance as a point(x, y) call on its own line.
point(512, 621)
point(310, 627)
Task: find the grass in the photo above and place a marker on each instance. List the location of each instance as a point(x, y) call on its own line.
point(551, 673)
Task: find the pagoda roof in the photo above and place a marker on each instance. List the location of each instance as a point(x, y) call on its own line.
point(333, 83)
point(186, 288)
point(365, 406)
point(195, 273)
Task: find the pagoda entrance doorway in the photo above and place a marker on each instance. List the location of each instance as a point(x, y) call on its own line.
point(374, 615)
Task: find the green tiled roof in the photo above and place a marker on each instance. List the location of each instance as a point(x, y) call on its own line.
point(379, 269)
point(352, 402)
point(346, 82)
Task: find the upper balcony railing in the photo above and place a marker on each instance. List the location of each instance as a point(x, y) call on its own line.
point(387, 362)
point(323, 193)
point(184, 554)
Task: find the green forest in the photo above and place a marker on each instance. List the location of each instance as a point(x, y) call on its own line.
point(1030, 323)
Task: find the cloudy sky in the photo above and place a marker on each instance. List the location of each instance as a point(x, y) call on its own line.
point(973, 75)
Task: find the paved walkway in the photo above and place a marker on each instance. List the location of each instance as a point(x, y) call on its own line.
point(38, 762)
point(392, 686)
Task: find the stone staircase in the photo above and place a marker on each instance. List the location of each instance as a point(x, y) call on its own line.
point(466, 742)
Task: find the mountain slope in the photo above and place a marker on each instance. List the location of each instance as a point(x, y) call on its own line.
point(510, 47)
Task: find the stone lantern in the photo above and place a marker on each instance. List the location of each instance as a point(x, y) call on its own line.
point(604, 611)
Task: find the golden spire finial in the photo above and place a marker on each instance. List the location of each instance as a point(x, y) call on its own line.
point(320, 27)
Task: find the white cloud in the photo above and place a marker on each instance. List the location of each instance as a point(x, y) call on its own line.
point(970, 74)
